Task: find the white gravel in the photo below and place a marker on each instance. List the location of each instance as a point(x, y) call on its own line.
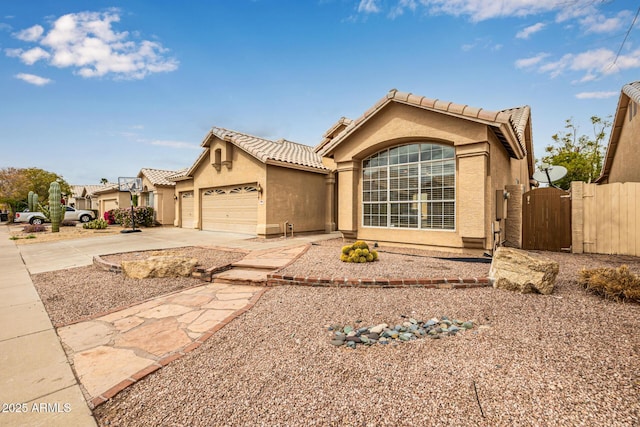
point(570, 358)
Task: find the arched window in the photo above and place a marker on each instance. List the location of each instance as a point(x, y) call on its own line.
point(410, 186)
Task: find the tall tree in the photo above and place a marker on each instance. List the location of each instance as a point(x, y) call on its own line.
point(15, 184)
point(104, 181)
point(581, 155)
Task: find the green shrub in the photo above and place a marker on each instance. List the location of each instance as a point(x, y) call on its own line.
point(358, 252)
point(143, 216)
point(618, 284)
point(96, 224)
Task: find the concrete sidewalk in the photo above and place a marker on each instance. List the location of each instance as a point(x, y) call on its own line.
point(37, 383)
point(37, 386)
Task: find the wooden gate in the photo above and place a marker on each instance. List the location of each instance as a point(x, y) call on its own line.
point(546, 220)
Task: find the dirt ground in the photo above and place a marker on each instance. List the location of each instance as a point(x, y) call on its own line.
point(25, 238)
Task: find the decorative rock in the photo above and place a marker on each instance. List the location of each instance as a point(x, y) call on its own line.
point(159, 266)
point(522, 271)
point(378, 328)
point(409, 331)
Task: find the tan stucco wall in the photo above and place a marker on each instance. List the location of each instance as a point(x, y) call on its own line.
point(627, 158)
point(244, 169)
point(482, 166)
point(123, 198)
point(163, 201)
point(295, 196)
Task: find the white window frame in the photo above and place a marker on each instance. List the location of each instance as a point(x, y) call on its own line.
point(394, 198)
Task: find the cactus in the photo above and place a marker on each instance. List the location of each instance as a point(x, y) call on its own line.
point(55, 207)
point(358, 252)
point(32, 201)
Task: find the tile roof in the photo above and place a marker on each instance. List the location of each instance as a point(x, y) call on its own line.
point(267, 150)
point(505, 123)
point(88, 190)
point(632, 90)
point(158, 176)
point(629, 92)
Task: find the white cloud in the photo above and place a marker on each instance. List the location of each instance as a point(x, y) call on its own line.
point(402, 5)
point(598, 23)
point(596, 95)
point(532, 29)
point(368, 6)
point(593, 63)
point(175, 144)
point(88, 43)
point(32, 56)
point(480, 10)
point(31, 34)
point(530, 62)
point(33, 79)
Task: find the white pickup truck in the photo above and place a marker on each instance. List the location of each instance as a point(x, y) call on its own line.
point(39, 218)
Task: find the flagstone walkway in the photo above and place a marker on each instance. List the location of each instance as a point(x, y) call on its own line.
point(113, 351)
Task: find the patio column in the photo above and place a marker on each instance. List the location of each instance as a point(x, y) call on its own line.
point(348, 197)
point(473, 198)
point(330, 194)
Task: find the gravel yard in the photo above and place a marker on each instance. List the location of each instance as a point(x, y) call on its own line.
point(569, 358)
point(77, 293)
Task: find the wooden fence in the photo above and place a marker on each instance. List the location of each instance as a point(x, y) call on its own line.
point(605, 219)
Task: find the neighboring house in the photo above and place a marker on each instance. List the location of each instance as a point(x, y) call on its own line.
point(83, 196)
point(243, 183)
point(110, 197)
point(623, 152)
point(158, 192)
point(414, 170)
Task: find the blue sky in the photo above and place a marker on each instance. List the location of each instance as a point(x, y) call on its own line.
point(93, 89)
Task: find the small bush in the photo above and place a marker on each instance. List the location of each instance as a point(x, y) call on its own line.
point(358, 252)
point(68, 223)
point(143, 216)
point(108, 216)
point(34, 228)
point(616, 284)
point(96, 224)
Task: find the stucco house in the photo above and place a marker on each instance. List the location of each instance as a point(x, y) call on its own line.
point(84, 197)
point(422, 171)
point(110, 197)
point(623, 152)
point(243, 183)
point(158, 192)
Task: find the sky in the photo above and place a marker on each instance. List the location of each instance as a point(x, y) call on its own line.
point(100, 89)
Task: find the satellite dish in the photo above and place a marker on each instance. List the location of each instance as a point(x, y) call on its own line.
point(548, 174)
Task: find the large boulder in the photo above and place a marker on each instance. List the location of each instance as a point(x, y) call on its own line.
point(522, 271)
point(159, 266)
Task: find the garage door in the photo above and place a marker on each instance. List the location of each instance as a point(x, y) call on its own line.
point(110, 204)
point(230, 209)
point(186, 210)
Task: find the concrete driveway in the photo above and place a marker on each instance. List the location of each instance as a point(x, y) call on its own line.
point(51, 256)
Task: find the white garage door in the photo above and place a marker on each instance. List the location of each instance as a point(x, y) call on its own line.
point(186, 210)
point(110, 204)
point(230, 209)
